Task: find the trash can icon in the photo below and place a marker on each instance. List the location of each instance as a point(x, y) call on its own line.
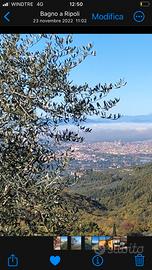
point(139, 260)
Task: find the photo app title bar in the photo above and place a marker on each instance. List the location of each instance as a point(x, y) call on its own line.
point(75, 13)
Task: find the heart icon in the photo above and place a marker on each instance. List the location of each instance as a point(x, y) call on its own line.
point(55, 260)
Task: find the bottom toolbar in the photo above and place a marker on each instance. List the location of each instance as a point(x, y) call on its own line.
point(40, 253)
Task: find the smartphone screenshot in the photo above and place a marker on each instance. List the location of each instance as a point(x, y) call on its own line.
point(75, 135)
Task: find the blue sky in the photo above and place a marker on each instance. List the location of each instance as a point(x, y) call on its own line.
point(118, 56)
point(95, 239)
point(125, 56)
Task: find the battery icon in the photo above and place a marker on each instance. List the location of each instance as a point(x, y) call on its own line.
point(144, 4)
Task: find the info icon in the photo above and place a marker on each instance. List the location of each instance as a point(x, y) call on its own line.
point(97, 260)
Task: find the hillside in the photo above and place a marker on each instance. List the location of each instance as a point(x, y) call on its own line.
point(84, 203)
point(127, 195)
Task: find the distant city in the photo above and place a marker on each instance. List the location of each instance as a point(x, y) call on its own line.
point(111, 144)
point(106, 155)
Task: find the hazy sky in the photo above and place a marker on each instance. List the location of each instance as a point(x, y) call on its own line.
point(127, 56)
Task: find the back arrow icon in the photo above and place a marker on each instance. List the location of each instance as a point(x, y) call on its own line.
point(6, 16)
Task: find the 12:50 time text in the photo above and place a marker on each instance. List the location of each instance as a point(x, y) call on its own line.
point(76, 4)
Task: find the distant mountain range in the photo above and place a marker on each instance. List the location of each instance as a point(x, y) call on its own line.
point(126, 128)
point(124, 119)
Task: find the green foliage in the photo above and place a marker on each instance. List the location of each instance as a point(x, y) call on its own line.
point(36, 97)
point(126, 193)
